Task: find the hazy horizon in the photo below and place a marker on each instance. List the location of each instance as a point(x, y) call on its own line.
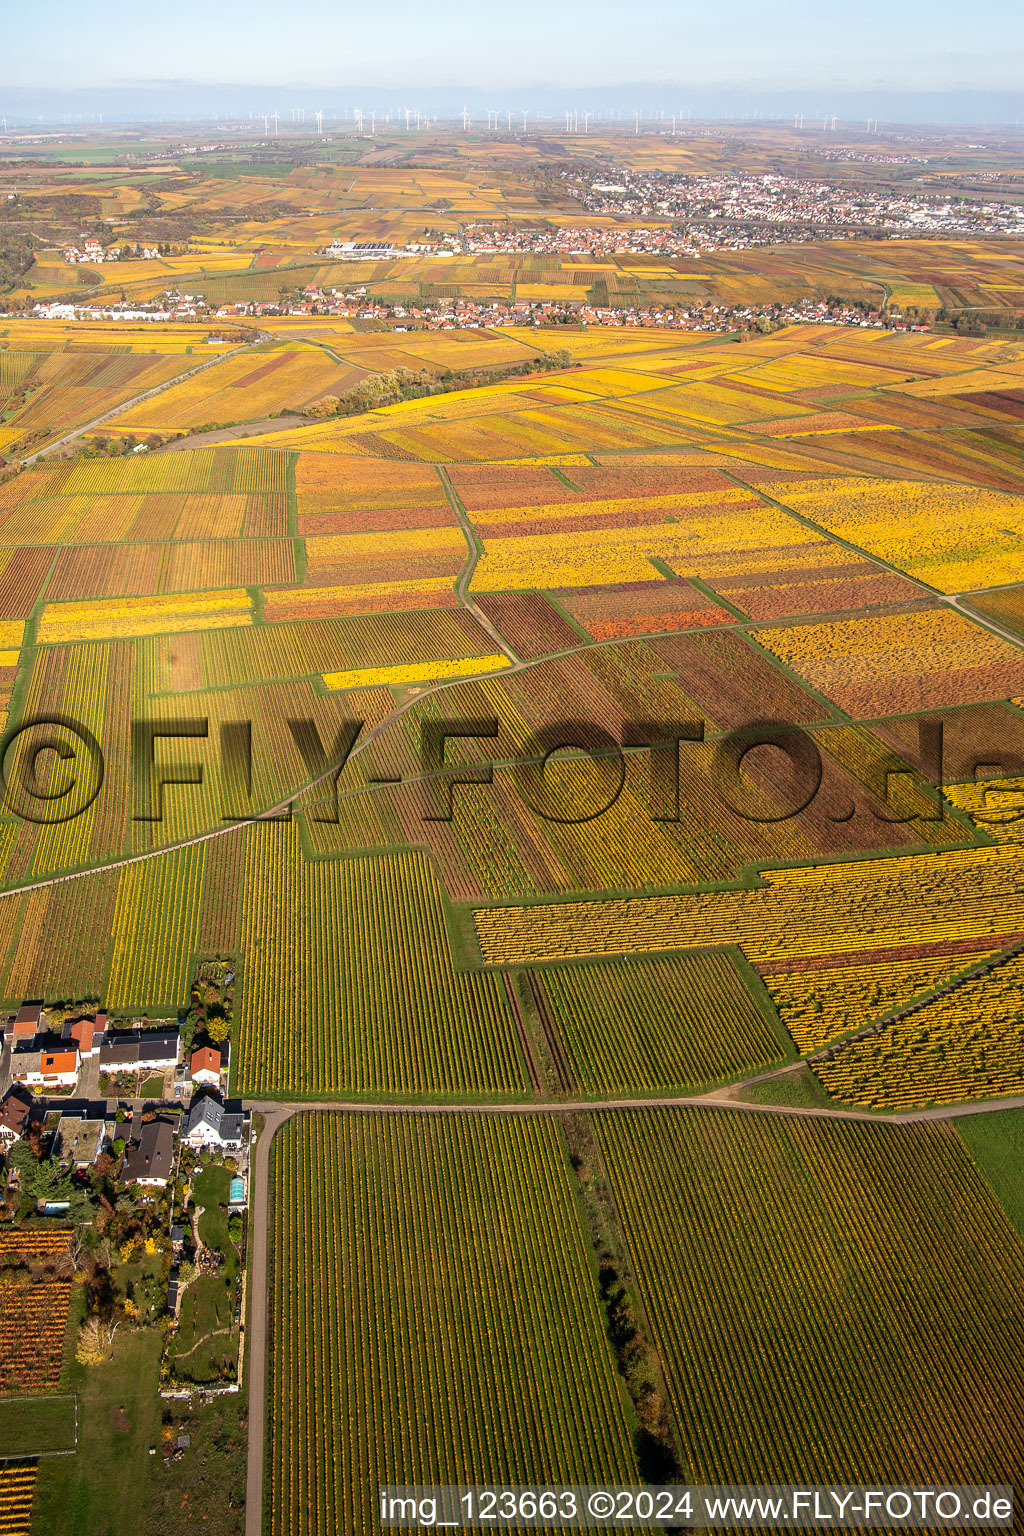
point(739, 48)
point(177, 101)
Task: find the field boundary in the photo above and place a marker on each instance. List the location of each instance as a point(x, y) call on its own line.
point(21, 1400)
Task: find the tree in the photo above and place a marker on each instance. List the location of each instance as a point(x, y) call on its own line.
point(95, 1341)
point(80, 1208)
point(218, 1028)
point(21, 1160)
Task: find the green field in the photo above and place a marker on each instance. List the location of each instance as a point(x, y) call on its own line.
point(98, 1490)
point(996, 1142)
point(36, 1426)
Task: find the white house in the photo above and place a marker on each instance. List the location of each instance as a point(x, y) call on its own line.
point(52, 1067)
point(210, 1123)
point(139, 1050)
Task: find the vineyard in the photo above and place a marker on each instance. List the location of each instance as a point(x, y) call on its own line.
point(900, 662)
point(967, 1044)
point(434, 1317)
point(33, 1312)
point(654, 535)
point(668, 1024)
point(846, 1296)
point(17, 1487)
point(848, 909)
point(349, 986)
point(823, 1001)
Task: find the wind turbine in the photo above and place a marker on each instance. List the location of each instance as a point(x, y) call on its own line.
point(357, 113)
point(465, 120)
point(266, 127)
point(510, 122)
point(277, 123)
point(586, 121)
point(373, 122)
point(320, 121)
point(636, 121)
point(525, 113)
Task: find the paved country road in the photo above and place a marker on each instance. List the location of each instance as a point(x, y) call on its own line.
point(147, 394)
point(276, 1113)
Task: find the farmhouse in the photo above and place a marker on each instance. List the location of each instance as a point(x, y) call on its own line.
point(150, 1157)
point(211, 1123)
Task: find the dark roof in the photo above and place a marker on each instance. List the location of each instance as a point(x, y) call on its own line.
point(226, 1120)
point(14, 1113)
point(139, 1045)
point(153, 1157)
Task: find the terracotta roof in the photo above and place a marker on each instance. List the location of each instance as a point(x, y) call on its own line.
point(205, 1058)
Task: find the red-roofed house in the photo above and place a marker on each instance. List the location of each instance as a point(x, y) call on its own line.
point(204, 1065)
point(54, 1067)
point(27, 1021)
point(85, 1033)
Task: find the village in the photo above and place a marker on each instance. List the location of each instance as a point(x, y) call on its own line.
point(120, 1134)
point(790, 206)
point(479, 314)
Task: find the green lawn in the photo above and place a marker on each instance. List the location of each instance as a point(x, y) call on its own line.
point(96, 1492)
point(31, 1425)
point(207, 1305)
point(996, 1142)
point(797, 1090)
point(211, 1190)
point(206, 1308)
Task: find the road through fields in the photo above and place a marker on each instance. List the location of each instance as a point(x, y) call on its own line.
point(275, 1114)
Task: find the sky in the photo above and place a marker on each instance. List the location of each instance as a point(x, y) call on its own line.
point(905, 45)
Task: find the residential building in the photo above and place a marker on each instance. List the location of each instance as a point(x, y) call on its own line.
point(212, 1123)
point(137, 1050)
point(204, 1065)
point(87, 1033)
point(14, 1117)
point(28, 1022)
point(150, 1157)
point(53, 1066)
point(78, 1140)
